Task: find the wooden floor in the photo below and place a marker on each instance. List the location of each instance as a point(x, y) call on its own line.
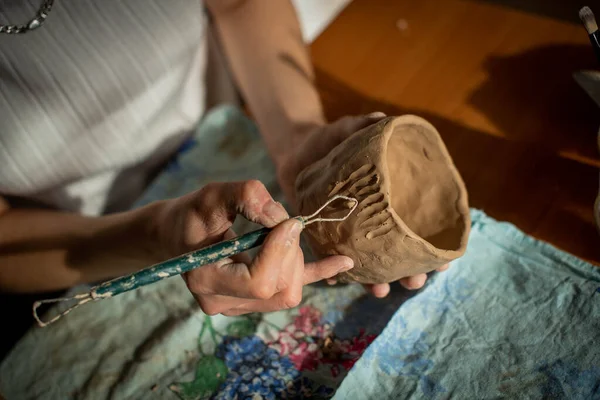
point(497, 83)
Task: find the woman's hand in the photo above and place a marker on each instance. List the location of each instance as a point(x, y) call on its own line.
point(273, 280)
point(316, 144)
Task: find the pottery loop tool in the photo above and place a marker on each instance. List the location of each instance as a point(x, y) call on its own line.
point(591, 26)
point(183, 263)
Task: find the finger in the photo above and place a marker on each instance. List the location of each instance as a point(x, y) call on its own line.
point(292, 296)
point(288, 298)
point(217, 304)
point(443, 268)
point(379, 290)
point(260, 279)
point(326, 268)
point(234, 312)
point(289, 292)
point(292, 266)
point(331, 282)
point(241, 258)
point(281, 245)
point(249, 198)
point(414, 282)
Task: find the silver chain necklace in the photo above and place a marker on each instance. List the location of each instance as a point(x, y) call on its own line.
point(34, 23)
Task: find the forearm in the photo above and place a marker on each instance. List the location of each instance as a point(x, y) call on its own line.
point(271, 65)
point(46, 250)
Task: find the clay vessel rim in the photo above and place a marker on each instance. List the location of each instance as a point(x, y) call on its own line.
point(408, 119)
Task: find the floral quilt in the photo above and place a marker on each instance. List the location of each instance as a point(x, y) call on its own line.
point(513, 318)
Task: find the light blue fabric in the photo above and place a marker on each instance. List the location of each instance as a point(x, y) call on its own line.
point(514, 318)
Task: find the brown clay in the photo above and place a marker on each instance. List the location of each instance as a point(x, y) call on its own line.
point(413, 213)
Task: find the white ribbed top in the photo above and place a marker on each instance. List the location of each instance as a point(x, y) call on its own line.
point(97, 97)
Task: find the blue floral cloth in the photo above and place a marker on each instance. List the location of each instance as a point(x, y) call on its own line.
point(513, 318)
point(254, 368)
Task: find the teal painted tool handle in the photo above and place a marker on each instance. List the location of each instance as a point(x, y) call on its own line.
point(181, 264)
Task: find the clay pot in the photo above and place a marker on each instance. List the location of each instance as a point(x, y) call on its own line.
point(413, 214)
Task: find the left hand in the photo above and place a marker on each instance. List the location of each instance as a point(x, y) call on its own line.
point(313, 146)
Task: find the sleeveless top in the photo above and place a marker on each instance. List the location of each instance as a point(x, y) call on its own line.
point(97, 98)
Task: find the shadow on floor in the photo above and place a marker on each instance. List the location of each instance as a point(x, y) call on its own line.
point(532, 97)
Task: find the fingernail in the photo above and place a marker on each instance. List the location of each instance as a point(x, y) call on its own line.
point(275, 212)
point(347, 265)
point(331, 282)
point(294, 229)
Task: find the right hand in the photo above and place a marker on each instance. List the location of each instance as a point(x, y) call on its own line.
point(273, 280)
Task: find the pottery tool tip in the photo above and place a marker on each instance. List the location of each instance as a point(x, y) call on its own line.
point(314, 217)
point(589, 21)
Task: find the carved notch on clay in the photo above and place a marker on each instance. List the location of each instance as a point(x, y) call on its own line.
point(373, 214)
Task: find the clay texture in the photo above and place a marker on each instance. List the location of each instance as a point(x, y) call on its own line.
point(413, 213)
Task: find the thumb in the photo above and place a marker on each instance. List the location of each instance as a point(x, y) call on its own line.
point(223, 201)
point(326, 268)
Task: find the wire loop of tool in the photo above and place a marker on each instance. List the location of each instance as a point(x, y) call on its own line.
point(83, 298)
point(311, 218)
point(93, 294)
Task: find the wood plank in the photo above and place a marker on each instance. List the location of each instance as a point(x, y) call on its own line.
point(497, 83)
